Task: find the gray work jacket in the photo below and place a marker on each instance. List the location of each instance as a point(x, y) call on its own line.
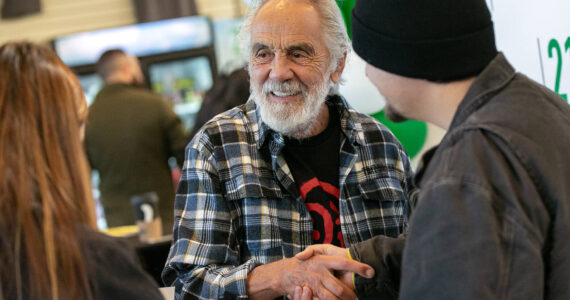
point(492, 219)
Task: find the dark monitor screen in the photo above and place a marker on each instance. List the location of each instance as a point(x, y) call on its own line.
point(184, 82)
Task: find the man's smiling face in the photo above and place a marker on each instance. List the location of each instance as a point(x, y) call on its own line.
point(289, 64)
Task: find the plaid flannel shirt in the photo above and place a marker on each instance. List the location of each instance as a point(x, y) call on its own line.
point(235, 208)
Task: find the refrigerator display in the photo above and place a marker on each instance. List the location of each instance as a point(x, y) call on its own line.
point(184, 82)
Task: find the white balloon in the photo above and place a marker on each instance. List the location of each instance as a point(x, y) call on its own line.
point(359, 92)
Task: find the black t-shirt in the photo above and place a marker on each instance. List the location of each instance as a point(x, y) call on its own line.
point(314, 163)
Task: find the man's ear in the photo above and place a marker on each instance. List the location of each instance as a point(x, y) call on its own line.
point(335, 75)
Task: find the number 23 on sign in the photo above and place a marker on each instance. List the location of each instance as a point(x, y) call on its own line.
point(554, 45)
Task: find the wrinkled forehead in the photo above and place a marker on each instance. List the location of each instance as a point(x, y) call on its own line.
point(282, 21)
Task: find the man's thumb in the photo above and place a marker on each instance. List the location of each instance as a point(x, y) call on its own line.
point(305, 254)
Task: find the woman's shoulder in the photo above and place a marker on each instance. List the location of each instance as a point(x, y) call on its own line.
point(114, 270)
point(95, 242)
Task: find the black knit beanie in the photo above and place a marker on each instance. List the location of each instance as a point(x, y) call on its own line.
point(437, 40)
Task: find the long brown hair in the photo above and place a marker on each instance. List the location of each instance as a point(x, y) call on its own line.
point(45, 190)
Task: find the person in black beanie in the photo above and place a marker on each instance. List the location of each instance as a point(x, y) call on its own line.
point(492, 220)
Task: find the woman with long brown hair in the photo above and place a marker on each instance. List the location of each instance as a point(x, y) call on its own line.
point(49, 246)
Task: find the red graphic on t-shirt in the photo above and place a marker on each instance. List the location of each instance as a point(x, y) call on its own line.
point(325, 213)
point(327, 222)
point(313, 183)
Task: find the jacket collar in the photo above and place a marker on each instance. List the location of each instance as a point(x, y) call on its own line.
point(491, 80)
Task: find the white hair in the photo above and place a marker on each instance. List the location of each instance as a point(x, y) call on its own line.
point(335, 35)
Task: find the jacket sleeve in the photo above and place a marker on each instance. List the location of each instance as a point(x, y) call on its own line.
point(384, 254)
point(204, 259)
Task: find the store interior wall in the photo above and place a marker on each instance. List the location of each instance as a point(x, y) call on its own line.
point(60, 17)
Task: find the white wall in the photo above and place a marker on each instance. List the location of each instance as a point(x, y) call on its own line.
point(524, 31)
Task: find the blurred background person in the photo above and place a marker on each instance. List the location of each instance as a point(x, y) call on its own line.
point(228, 92)
point(49, 248)
point(130, 135)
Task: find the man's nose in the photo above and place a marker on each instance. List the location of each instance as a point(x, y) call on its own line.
point(281, 69)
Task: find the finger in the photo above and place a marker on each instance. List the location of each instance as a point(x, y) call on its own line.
point(321, 249)
point(347, 265)
point(324, 294)
point(347, 279)
point(307, 294)
point(305, 254)
point(298, 293)
point(338, 289)
point(308, 252)
point(316, 284)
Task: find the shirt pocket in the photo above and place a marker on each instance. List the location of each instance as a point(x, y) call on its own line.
point(255, 199)
point(382, 209)
point(384, 189)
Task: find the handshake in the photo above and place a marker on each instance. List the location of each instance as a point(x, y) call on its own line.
point(319, 272)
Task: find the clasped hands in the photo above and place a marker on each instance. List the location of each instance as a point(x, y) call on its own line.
point(337, 261)
point(319, 272)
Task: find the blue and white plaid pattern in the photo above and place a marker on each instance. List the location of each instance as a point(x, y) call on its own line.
point(235, 207)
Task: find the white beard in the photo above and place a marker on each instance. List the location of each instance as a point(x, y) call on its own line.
point(298, 119)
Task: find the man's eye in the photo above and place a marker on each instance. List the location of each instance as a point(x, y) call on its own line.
point(262, 54)
point(297, 54)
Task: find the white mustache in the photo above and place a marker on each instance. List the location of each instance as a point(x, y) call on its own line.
point(283, 88)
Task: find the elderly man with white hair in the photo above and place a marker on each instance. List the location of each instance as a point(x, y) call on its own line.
point(293, 167)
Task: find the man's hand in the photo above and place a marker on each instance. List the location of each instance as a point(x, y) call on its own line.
point(316, 274)
point(346, 276)
point(322, 249)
